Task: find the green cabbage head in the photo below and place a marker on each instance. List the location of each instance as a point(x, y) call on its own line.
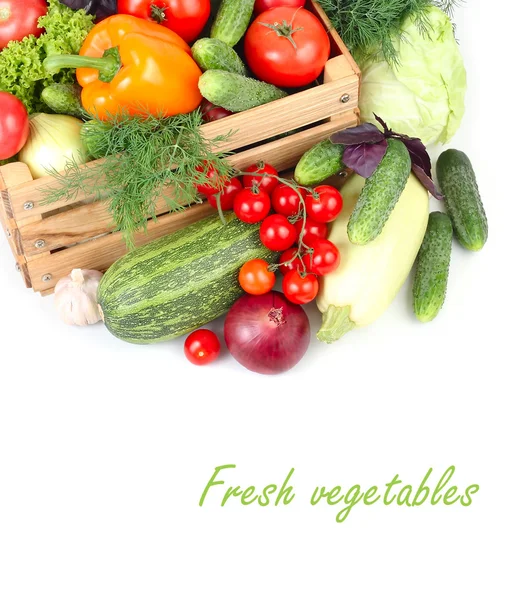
point(423, 95)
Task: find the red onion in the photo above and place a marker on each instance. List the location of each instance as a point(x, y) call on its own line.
point(267, 334)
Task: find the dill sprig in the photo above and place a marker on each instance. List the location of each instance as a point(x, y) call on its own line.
point(369, 27)
point(144, 160)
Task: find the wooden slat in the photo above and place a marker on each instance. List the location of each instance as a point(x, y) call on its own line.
point(100, 253)
point(90, 220)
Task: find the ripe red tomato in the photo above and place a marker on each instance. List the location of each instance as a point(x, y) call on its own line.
point(202, 347)
point(255, 277)
point(217, 183)
point(261, 178)
point(16, 22)
point(187, 18)
point(325, 205)
point(251, 207)
point(324, 259)
point(312, 230)
point(211, 112)
point(227, 195)
point(14, 125)
point(300, 289)
point(285, 200)
point(263, 5)
point(277, 233)
point(287, 47)
point(297, 264)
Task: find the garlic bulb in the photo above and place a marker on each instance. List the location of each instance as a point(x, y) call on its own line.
point(76, 297)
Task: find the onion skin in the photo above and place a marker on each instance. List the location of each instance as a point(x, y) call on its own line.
point(267, 334)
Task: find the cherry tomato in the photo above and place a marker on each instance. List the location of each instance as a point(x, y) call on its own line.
point(261, 178)
point(312, 230)
point(264, 5)
point(277, 233)
point(300, 289)
point(324, 259)
point(325, 204)
point(14, 125)
point(297, 264)
point(287, 47)
point(202, 347)
point(216, 182)
point(19, 19)
point(251, 207)
point(187, 18)
point(227, 195)
point(285, 200)
point(255, 277)
point(211, 112)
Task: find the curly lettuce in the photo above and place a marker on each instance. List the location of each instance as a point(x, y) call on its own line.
point(21, 70)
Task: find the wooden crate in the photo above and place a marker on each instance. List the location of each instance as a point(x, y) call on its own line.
point(48, 241)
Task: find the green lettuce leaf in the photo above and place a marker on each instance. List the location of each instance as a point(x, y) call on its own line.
point(423, 95)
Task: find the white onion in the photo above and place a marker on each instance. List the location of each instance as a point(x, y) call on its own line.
point(54, 140)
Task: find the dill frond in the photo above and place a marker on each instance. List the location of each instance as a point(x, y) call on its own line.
point(144, 160)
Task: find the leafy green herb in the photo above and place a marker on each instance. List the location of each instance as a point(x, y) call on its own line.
point(368, 27)
point(21, 69)
point(145, 160)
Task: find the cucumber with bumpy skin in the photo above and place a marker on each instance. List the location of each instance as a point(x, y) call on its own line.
point(320, 162)
point(232, 20)
point(212, 53)
point(381, 193)
point(432, 267)
point(462, 199)
point(235, 92)
point(64, 99)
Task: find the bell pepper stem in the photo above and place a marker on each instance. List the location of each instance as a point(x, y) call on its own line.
point(108, 65)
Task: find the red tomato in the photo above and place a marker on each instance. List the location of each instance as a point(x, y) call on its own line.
point(287, 47)
point(250, 207)
point(300, 289)
point(217, 183)
point(227, 195)
point(202, 347)
point(325, 204)
point(211, 112)
point(261, 178)
point(187, 18)
point(264, 5)
point(324, 259)
point(255, 277)
point(277, 233)
point(14, 124)
point(285, 200)
point(297, 264)
point(16, 21)
point(312, 230)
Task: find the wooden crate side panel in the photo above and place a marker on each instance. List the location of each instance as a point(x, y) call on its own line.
point(100, 253)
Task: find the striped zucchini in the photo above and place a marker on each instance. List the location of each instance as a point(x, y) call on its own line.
point(179, 282)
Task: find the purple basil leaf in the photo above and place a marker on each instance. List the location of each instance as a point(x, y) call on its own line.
point(367, 133)
point(427, 182)
point(364, 158)
point(418, 153)
point(382, 123)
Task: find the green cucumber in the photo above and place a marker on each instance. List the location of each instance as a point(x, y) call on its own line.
point(179, 282)
point(232, 20)
point(458, 184)
point(235, 92)
point(64, 99)
point(379, 195)
point(212, 53)
point(432, 267)
point(320, 162)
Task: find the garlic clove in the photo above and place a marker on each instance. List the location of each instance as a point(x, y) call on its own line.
point(76, 297)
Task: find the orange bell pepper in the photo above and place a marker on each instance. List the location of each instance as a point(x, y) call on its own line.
point(131, 65)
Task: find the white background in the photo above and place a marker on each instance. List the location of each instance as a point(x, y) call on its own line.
point(105, 448)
